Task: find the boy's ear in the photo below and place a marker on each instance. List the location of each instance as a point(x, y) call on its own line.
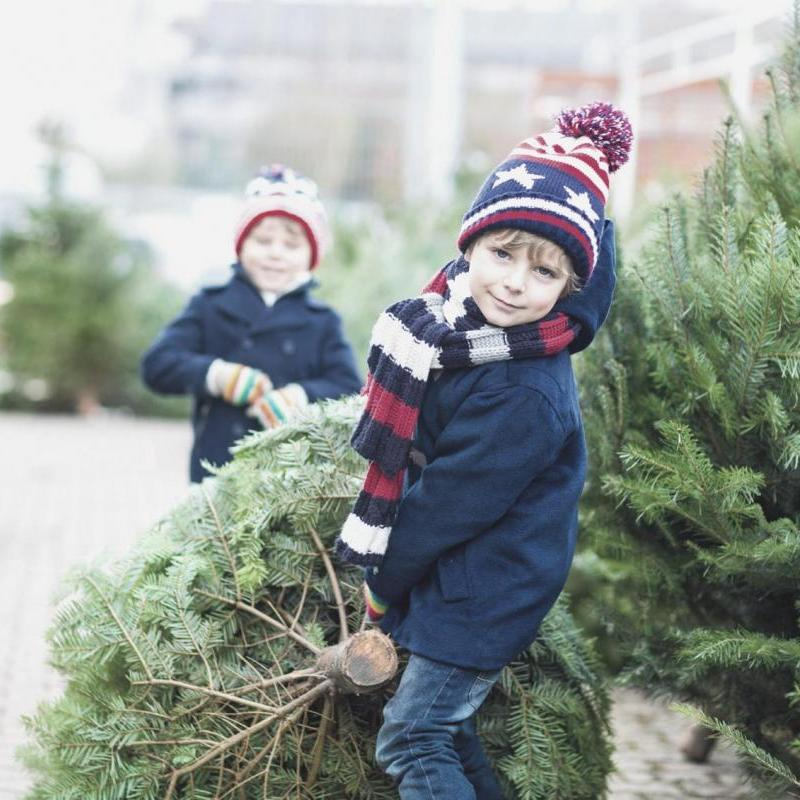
point(468, 252)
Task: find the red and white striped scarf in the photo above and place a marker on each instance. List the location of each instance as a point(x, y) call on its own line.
point(443, 328)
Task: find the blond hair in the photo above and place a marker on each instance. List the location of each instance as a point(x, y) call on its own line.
point(539, 250)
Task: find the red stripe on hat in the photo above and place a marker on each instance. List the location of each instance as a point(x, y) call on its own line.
point(388, 409)
point(279, 213)
point(595, 159)
point(540, 140)
point(592, 148)
point(382, 486)
point(534, 216)
point(593, 162)
point(575, 173)
point(588, 157)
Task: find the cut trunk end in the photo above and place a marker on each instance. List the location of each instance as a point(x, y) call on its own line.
point(361, 664)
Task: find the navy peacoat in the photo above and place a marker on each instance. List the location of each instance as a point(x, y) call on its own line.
point(297, 340)
point(487, 526)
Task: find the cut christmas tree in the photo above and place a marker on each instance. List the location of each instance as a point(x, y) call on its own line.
point(222, 659)
point(693, 423)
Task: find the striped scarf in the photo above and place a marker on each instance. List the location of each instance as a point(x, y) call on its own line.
point(443, 328)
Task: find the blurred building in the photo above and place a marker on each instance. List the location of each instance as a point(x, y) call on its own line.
point(346, 90)
point(382, 100)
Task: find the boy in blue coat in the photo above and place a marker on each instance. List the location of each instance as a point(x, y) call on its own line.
point(471, 392)
point(256, 348)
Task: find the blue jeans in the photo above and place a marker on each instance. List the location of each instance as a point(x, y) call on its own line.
point(428, 743)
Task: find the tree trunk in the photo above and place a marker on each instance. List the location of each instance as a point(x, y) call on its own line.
point(361, 664)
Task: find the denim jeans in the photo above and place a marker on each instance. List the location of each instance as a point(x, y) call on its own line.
point(428, 743)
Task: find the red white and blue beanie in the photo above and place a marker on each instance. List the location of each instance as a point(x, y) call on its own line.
point(278, 190)
point(556, 184)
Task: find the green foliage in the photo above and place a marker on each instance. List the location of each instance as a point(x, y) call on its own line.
point(773, 776)
point(692, 512)
point(177, 659)
point(85, 304)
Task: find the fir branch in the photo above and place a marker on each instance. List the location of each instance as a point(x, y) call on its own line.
point(120, 625)
point(205, 690)
point(337, 590)
point(303, 700)
point(176, 595)
point(738, 650)
point(269, 620)
point(759, 758)
point(223, 541)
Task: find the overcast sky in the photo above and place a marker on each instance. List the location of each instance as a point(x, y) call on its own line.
point(71, 61)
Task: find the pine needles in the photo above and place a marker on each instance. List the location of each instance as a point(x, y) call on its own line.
point(695, 522)
point(190, 666)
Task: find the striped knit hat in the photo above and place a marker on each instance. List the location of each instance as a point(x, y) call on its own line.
point(278, 190)
point(556, 184)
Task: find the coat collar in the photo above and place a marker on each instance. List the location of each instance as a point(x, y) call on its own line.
point(242, 300)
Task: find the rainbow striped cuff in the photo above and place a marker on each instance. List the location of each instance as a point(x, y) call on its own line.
point(245, 385)
point(275, 407)
point(376, 607)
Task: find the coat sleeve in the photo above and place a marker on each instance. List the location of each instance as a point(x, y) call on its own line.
point(338, 375)
point(497, 442)
point(175, 363)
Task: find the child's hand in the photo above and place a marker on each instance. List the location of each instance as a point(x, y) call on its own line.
point(376, 607)
point(273, 408)
point(235, 383)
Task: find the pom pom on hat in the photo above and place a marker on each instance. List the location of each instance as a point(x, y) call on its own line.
point(608, 128)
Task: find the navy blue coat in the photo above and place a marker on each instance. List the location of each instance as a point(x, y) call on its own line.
point(488, 522)
point(297, 340)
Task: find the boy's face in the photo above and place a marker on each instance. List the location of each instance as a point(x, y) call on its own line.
point(275, 253)
point(509, 288)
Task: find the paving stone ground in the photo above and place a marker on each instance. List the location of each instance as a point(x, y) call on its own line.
point(72, 489)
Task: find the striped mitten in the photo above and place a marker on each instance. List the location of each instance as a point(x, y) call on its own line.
point(235, 383)
point(376, 607)
point(273, 408)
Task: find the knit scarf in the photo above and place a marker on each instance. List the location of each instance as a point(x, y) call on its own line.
point(443, 328)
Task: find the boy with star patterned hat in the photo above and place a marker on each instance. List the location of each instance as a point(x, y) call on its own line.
point(556, 184)
point(467, 521)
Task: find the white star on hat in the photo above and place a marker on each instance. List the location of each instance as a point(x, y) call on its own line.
point(519, 174)
point(583, 203)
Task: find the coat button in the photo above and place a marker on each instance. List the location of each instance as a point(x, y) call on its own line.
point(288, 347)
point(247, 343)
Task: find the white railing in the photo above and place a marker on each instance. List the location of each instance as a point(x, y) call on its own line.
point(686, 56)
point(682, 57)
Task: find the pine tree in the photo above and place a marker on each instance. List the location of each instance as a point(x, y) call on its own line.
point(191, 666)
point(85, 301)
point(693, 423)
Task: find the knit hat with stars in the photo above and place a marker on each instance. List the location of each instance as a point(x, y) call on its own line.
point(278, 190)
point(556, 184)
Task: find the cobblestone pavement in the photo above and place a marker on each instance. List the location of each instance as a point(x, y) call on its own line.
point(73, 489)
point(649, 763)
